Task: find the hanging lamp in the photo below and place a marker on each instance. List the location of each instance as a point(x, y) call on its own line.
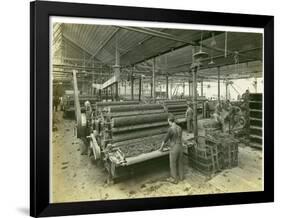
point(198, 56)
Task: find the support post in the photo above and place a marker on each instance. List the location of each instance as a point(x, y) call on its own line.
point(112, 93)
point(116, 92)
point(191, 85)
point(151, 88)
point(226, 90)
point(99, 91)
point(167, 87)
point(153, 80)
point(189, 92)
point(202, 93)
point(76, 99)
point(140, 88)
point(132, 85)
point(219, 91)
point(183, 87)
point(125, 89)
point(195, 128)
point(171, 89)
point(116, 69)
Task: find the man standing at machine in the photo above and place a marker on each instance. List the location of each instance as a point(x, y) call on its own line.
point(189, 118)
point(174, 135)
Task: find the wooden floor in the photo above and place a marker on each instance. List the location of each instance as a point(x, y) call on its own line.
point(247, 176)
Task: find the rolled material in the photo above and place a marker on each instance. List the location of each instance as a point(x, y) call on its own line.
point(139, 119)
point(177, 106)
point(139, 107)
point(133, 113)
point(175, 101)
point(144, 157)
point(106, 104)
point(178, 113)
point(177, 109)
point(138, 134)
point(139, 127)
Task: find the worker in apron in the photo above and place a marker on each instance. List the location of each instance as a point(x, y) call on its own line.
point(174, 135)
point(189, 119)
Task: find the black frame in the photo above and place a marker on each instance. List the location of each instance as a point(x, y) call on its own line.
point(39, 106)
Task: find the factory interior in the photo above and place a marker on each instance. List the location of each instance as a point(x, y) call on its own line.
point(113, 89)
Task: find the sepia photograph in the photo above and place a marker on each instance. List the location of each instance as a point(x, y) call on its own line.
point(151, 109)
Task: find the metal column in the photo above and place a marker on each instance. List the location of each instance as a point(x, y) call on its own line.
point(112, 92)
point(116, 91)
point(99, 93)
point(219, 91)
point(202, 88)
point(191, 91)
point(76, 98)
point(226, 90)
point(167, 87)
point(132, 86)
point(189, 88)
point(125, 89)
point(151, 89)
point(195, 128)
point(153, 80)
point(140, 88)
point(116, 69)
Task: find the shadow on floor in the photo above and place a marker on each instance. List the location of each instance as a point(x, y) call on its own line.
point(23, 210)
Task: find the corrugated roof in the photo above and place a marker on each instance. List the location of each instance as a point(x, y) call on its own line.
point(170, 47)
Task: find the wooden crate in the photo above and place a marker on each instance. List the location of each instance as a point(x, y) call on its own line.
point(210, 156)
point(204, 156)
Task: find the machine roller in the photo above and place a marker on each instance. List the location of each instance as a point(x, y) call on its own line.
point(127, 141)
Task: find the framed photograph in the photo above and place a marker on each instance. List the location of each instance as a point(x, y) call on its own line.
point(142, 109)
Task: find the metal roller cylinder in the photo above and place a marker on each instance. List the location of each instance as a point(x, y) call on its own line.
point(140, 107)
point(138, 134)
point(138, 127)
point(139, 119)
point(133, 113)
point(144, 157)
point(176, 109)
point(106, 104)
point(182, 101)
point(177, 105)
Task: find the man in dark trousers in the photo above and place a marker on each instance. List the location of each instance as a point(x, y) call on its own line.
point(174, 135)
